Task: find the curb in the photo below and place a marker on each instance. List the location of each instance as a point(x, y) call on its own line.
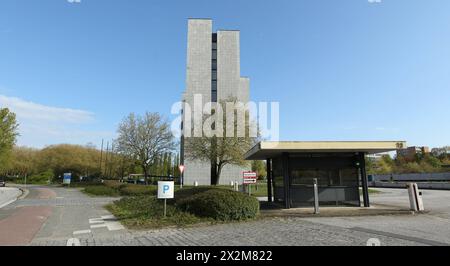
point(25, 193)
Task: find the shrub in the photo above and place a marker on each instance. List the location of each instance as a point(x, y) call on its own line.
point(137, 190)
point(41, 178)
point(101, 190)
point(220, 204)
point(182, 194)
point(114, 184)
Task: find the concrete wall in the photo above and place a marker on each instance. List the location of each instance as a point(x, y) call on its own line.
point(198, 81)
point(413, 177)
point(421, 185)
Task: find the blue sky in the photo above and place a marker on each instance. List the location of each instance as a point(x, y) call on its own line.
point(341, 70)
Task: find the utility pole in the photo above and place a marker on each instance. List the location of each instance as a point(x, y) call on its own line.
point(101, 159)
point(106, 158)
point(111, 158)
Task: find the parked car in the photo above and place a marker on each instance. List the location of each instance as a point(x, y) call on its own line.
point(2, 183)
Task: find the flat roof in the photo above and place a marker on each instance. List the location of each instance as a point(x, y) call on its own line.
point(271, 149)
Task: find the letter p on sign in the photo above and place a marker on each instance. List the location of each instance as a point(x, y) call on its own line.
point(166, 190)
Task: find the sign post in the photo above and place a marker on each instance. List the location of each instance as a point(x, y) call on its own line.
point(181, 167)
point(67, 179)
point(165, 191)
point(249, 179)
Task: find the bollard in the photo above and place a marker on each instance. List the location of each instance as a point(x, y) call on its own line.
point(316, 197)
point(415, 197)
point(195, 184)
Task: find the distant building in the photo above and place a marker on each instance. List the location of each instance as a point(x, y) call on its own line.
point(410, 153)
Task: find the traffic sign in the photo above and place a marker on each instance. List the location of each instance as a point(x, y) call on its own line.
point(181, 167)
point(250, 178)
point(165, 190)
point(67, 178)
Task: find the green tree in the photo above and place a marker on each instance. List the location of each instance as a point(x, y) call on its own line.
point(260, 168)
point(8, 134)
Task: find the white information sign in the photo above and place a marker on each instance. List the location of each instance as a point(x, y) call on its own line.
point(166, 189)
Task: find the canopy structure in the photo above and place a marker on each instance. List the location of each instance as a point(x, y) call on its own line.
point(338, 167)
point(270, 149)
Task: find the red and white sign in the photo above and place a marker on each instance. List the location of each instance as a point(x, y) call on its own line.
point(181, 167)
point(250, 178)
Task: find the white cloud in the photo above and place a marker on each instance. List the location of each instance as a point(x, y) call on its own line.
point(29, 110)
point(41, 125)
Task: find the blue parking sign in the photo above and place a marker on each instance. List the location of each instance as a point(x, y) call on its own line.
point(67, 178)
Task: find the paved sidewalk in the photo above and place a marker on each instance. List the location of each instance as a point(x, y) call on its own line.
point(271, 231)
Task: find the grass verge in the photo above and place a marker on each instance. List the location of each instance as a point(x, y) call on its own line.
point(101, 190)
point(146, 212)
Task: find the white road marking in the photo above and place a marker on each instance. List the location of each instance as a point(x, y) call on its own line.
point(98, 226)
point(73, 242)
point(115, 226)
point(81, 232)
point(112, 224)
point(96, 221)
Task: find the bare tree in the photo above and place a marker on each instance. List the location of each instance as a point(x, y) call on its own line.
point(222, 148)
point(145, 138)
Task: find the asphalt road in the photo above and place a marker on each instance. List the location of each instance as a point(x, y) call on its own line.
point(59, 216)
point(51, 214)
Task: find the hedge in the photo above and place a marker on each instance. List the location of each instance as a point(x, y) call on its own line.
point(101, 190)
point(219, 204)
point(137, 190)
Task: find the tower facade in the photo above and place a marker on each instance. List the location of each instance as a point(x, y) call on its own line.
point(213, 71)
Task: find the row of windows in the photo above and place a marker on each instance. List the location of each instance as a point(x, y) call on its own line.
point(214, 70)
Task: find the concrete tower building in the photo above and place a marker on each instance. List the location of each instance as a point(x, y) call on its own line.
point(213, 70)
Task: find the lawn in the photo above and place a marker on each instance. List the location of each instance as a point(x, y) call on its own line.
point(371, 191)
point(146, 212)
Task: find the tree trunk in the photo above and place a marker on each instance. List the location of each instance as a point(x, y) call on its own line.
point(214, 179)
point(145, 174)
point(219, 171)
point(214, 168)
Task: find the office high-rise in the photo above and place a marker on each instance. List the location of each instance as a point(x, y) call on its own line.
point(213, 71)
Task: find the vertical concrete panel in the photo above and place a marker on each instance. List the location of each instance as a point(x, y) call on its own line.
point(228, 64)
point(230, 84)
point(198, 81)
point(244, 90)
